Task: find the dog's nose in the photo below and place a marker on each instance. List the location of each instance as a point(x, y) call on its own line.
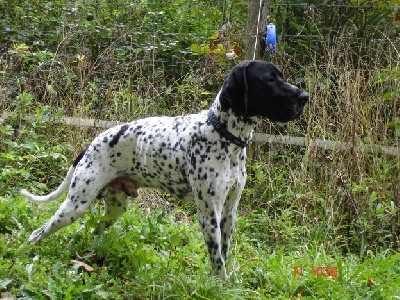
point(303, 97)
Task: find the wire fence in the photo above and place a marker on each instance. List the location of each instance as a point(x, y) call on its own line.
point(257, 138)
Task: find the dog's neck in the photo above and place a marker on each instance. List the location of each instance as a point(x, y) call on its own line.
point(237, 129)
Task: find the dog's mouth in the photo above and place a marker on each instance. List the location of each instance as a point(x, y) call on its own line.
point(302, 99)
point(299, 111)
point(287, 117)
point(286, 120)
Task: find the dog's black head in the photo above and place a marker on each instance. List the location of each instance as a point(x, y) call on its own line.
point(257, 88)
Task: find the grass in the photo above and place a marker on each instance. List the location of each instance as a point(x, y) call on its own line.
point(150, 255)
point(303, 209)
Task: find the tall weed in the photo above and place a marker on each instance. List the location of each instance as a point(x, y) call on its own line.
point(351, 194)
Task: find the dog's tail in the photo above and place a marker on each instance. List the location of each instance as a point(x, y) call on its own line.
point(54, 195)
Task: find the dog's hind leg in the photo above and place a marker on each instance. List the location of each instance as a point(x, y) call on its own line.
point(65, 215)
point(80, 195)
point(116, 203)
point(116, 199)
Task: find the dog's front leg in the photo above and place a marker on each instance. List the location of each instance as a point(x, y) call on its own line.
point(209, 215)
point(228, 218)
point(212, 237)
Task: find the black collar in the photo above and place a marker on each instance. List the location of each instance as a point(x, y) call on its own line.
point(223, 131)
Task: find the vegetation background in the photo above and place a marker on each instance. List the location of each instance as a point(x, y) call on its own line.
point(303, 207)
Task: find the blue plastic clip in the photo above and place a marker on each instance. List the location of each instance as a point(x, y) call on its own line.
point(271, 38)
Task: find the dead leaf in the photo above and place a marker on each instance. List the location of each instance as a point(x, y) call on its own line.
point(6, 296)
point(370, 282)
point(82, 264)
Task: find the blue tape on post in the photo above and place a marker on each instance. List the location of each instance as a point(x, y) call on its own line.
point(271, 38)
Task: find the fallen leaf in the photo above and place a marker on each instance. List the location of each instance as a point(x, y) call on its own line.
point(6, 296)
point(82, 264)
point(370, 282)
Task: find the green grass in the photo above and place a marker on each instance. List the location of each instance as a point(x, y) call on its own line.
point(150, 255)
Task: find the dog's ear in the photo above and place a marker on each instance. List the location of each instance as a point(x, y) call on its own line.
point(234, 92)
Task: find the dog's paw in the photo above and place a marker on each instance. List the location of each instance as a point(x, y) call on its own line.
point(36, 236)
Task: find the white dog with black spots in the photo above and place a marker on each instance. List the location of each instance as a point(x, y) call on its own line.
point(199, 157)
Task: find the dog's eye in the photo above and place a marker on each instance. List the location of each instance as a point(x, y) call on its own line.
point(269, 79)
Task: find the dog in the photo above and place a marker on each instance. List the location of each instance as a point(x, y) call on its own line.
point(198, 157)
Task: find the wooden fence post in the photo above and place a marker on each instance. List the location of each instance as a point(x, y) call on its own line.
point(256, 17)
